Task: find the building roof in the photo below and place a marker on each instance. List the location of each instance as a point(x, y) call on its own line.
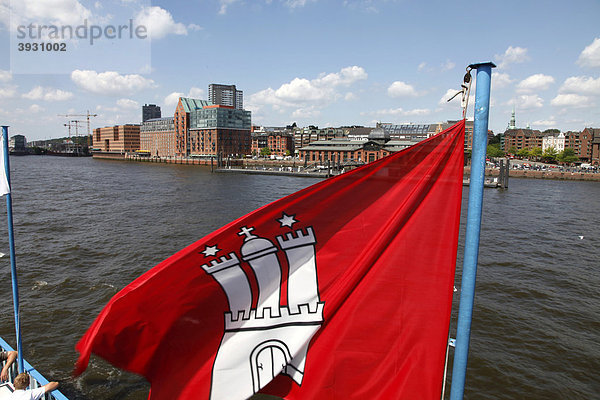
point(379, 134)
point(159, 119)
point(190, 104)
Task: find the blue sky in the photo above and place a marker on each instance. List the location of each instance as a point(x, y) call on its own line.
point(313, 62)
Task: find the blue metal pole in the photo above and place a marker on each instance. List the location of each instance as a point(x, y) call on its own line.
point(467, 294)
point(11, 242)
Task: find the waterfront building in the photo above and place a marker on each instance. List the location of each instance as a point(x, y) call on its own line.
point(279, 142)
point(519, 139)
point(596, 150)
point(185, 106)
point(17, 143)
point(157, 137)
point(119, 139)
point(581, 142)
point(556, 142)
point(216, 130)
point(345, 150)
point(226, 95)
point(468, 131)
point(586, 138)
point(150, 111)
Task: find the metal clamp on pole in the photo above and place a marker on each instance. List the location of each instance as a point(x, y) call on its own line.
point(475, 205)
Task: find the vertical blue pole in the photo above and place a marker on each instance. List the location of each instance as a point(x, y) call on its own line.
point(467, 293)
point(11, 242)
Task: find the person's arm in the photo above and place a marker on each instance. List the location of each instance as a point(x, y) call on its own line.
point(12, 356)
point(48, 387)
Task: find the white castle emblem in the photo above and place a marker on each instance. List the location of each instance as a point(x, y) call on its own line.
point(260, 343)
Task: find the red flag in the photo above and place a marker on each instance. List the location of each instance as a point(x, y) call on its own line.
point(341, 290)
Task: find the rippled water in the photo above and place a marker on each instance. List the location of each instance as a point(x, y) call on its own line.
point(86, 228)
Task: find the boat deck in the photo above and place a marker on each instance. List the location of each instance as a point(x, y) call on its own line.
point(37, 379)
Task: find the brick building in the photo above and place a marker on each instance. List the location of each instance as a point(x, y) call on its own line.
point(117, 139)
point(519, 139)
point(378, 145)
point(157, 137)
point(217, 130)
point(279, 143)
point(596, 150)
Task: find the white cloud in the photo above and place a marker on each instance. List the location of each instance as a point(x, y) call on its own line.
point(501, 80)
point(456, 100)
point(172, 99)
point(545, 123)
point(196, 93)
point(512, 55)
point(535, 83)
point(8, 92)
point(571, 100)
point(590, 56)
point(301, 93)
point(57, 12)
point(448, 65)
point(347, 76)
point(5, 76)
point(399, 111)
point(47, 94)
point(159, 22)
point(527, 102)
point(581, 85)
point(128, 104)
point(110, 82)
point(350, 96)
point(401, 89)
point(297, 3)
point(224, 4)
point(34, 108)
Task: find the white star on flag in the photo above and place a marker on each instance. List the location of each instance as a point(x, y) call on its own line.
point(287, 220)
point(210, 251)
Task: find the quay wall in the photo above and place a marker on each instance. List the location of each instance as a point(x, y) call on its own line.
point(557, 175)
point(248, 163)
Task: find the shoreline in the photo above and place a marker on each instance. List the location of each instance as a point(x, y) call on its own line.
point(276, 167)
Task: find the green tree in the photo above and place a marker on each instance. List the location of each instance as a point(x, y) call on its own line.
point(494, 139)
point(567, 156)
point(536, 152)
point(493, 150)
point(552, 131)
point(550, 155)
point(512, 150)
point(523, 153)
point(265, 151)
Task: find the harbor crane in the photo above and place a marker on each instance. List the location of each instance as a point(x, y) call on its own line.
point(74, 123)
point(87, 115)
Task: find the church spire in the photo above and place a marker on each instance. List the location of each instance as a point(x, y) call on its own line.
point(513, 121)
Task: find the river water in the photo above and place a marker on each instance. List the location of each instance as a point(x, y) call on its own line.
point(85, 228)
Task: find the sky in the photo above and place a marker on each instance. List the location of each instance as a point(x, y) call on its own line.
point(313, 62)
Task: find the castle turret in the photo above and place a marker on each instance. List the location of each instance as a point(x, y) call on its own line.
point(260, 253)
point(234, 282)
point(302, 279)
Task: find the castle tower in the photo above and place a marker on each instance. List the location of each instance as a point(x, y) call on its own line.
point(260, 253)
point(302, 278)
point(229, 274)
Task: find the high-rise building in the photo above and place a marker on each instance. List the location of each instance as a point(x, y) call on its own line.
point(226, 95)
point(150, 111)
